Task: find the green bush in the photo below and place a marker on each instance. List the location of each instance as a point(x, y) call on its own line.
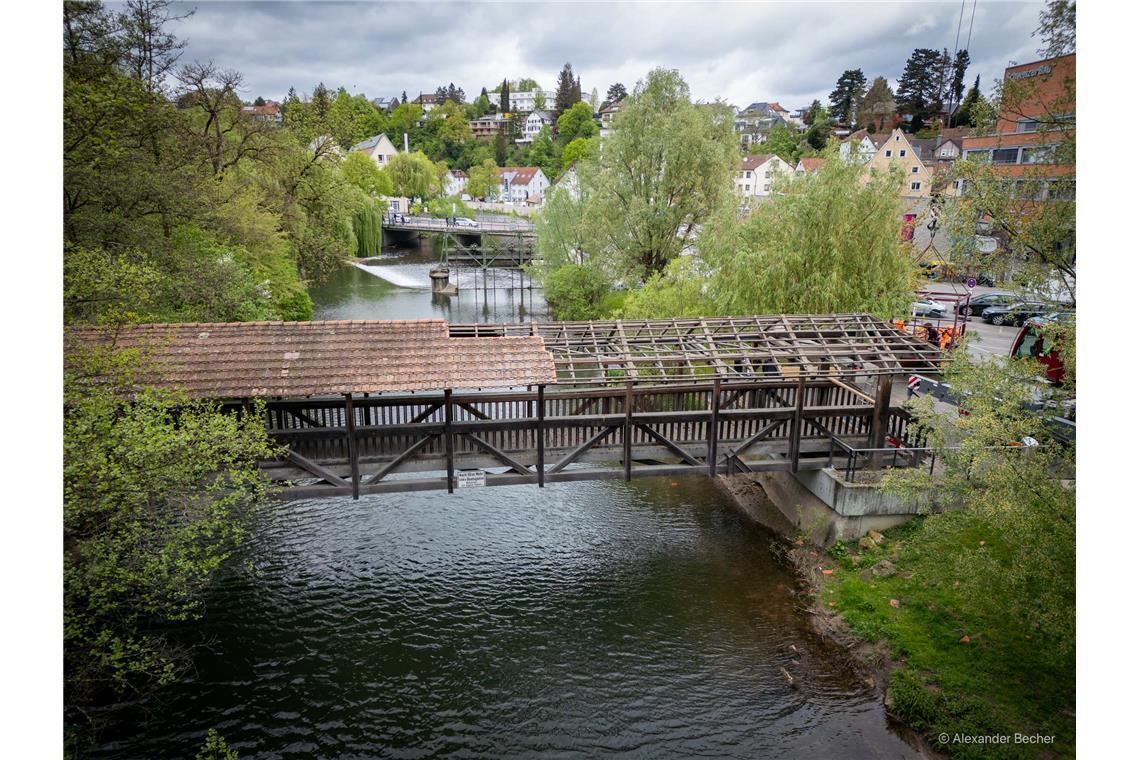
point(441, 208)
point(576, 292)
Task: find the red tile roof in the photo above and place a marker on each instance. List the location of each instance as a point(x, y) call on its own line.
point(522, 174)
point(255, 359)
point(811, 164)
point(777, 107)
point(752, 163)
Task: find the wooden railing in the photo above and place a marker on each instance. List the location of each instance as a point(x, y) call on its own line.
point(368, 444)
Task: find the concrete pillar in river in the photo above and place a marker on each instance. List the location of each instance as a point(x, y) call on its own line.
point(440, 283)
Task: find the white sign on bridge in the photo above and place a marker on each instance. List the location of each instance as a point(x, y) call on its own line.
point(470, 478)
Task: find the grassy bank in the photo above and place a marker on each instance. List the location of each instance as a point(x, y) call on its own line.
point(963, 670)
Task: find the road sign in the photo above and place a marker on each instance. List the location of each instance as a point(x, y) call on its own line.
point(971, 283)
point(470, 478)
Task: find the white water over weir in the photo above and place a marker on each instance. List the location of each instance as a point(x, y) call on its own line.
point(413, 277)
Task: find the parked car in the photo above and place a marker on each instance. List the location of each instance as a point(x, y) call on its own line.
point(462, 221)
point(978, 304)
point(928, 308)
point(1015, 313)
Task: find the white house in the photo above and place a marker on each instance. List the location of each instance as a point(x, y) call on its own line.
point(378, 147)
point(524, 101)
point(859, 147)
point(757, 173)
point(454, 182)
point(568, 182)
point(519, 183)
point(534, 124)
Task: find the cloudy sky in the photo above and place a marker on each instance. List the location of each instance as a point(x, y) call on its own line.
point(741, 52)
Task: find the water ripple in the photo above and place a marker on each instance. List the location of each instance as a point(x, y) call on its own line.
point(579, 620)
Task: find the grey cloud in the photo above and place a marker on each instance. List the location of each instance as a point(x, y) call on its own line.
point(739, 52)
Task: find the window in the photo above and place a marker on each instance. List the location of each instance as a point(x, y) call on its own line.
point(766, 188)
point(914, 170)
point(1005, 155)
point(896, 138)
point(747, 174)
point(1042, 155)
point(888, 154)
point(902, 153)
point(978, 154)
point(1027, 125)
point(747, 188)
point(915, 185)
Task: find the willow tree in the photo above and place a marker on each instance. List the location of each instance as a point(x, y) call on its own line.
point(827, 242)
point(367, 226)
point(665, 169)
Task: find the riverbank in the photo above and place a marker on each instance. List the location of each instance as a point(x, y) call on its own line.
point(971, 684)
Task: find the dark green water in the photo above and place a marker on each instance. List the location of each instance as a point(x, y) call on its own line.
point(646, 619)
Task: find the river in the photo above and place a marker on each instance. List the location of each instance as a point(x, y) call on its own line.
point(645, 619)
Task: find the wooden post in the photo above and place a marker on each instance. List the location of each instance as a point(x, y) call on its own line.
point(880, 417)
point(797, 422)
point(353, 459)
point(714, 425)
point(540, 439)
point(449, 441)
point(627, 433)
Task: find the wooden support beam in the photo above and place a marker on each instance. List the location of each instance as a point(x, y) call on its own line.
point(382, 473)
point(449, 441)
point(425, 413)
point(714, 425)
point(350, 434)
point(669, 445)
point(304, 417)
point(540, 438)
point(627, 431)
point(880, 418)
point(569, 458)
point(310, 466)
point(473, 411)
point(794, 444)
point(500, 455)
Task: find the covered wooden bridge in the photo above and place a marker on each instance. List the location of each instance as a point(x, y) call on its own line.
point(382, 406)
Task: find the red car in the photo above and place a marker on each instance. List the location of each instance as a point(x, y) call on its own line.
point(1034, 342)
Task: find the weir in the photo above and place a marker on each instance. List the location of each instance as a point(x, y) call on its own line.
point(386, 406)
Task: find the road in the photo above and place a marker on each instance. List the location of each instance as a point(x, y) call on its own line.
point(988, 340)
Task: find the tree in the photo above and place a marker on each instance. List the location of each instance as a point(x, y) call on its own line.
point(157, 494)
point(965, 113)
point(813, 112)
point(783, 142)
point(149, 51)
point(505, 98)
point(526, 84)
point(321, 101)
point(546, 154)
point(564, 95)
point(918, 93)
point(578, 149)
point(1057, 28)
point(824, 243)
point(575, 292)
point(404, 96)
point(576, 122)
point(957, 81)
point(878, 104)
point(594, 102)
point(539, 100)
point(501, 149)
point(260, 101)
point(847, 96)
point(483, 179)
point(665, 170)
point(615, 93)
point(413, 175)
point(361, 170)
